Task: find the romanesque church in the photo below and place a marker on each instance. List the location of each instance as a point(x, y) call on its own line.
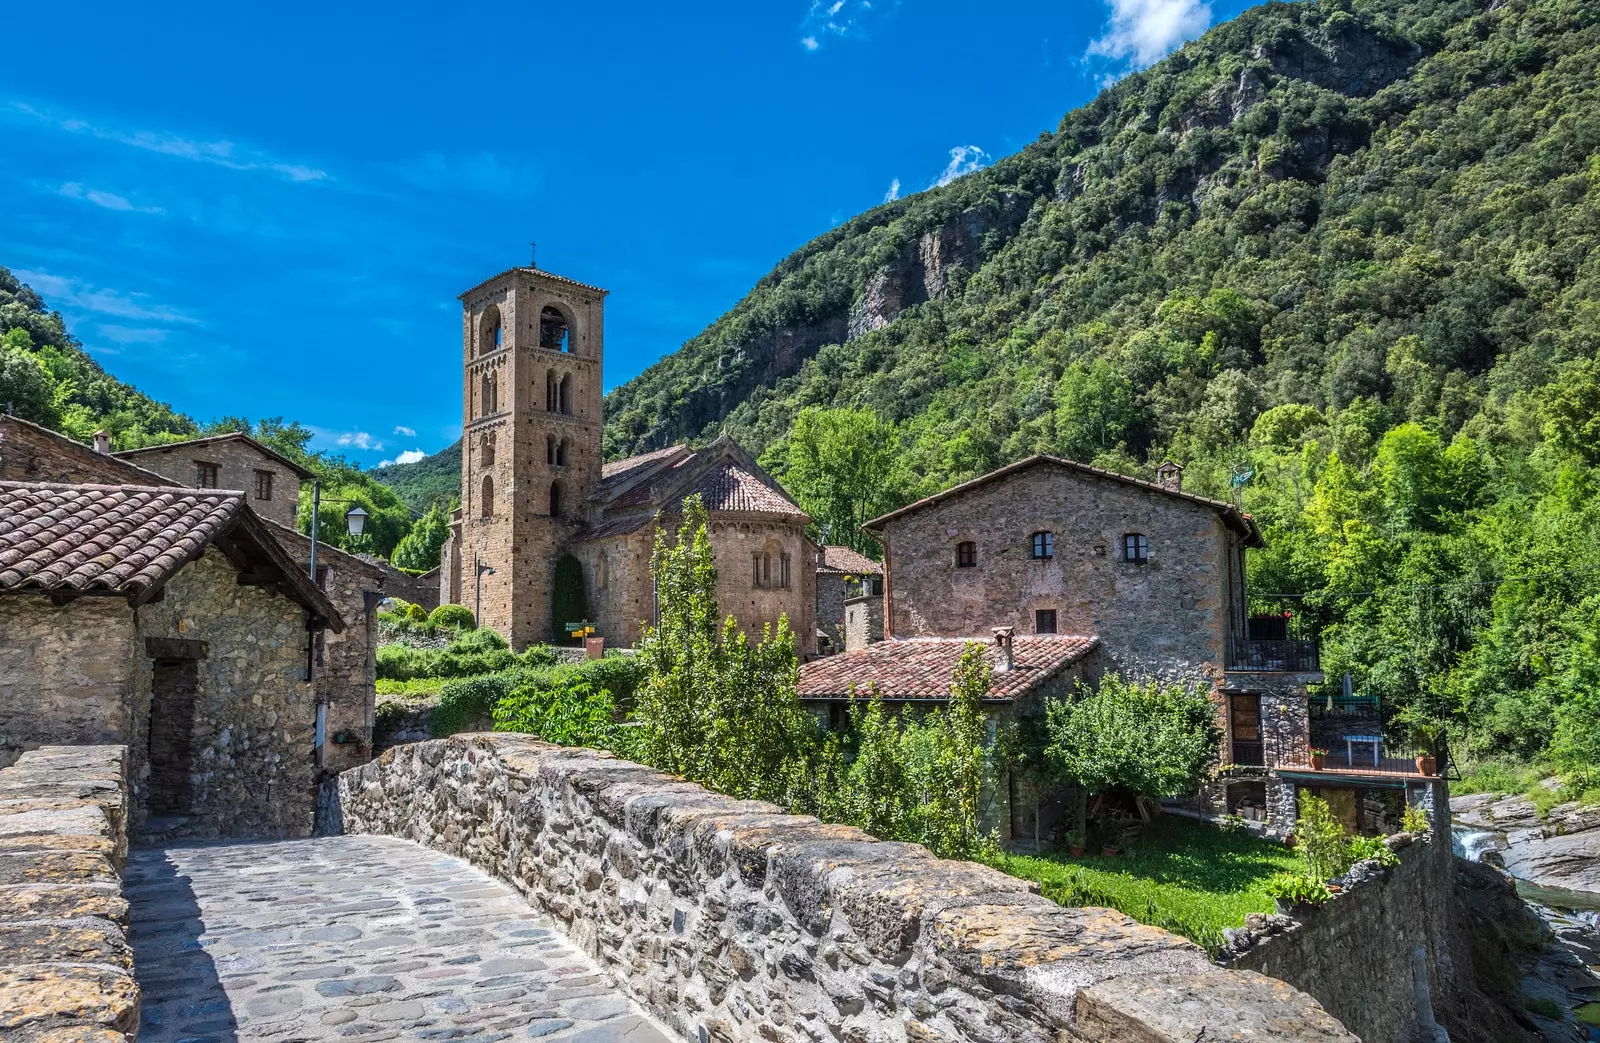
point(534, 488)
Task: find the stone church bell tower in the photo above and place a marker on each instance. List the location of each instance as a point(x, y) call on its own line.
point(531, 350)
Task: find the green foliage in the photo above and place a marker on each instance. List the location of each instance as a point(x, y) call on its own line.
point(1320, 839)
point(1414, 820)
point(411, 687)
point(388, 520)
point(416, 614)
point(843, 467)
point(1298, 889)
point(472, 652)
point(1371, 849)
point(1367, 281)
point(454, 617)
point(419, 549)
point(567, 601)
point(713, 707)
point(1182, 875)
point(569, 705)
point(1152, 737)
point(1545, 1007)
point(469, 703)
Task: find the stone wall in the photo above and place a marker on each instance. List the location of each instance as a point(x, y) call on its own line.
point(237, 463)
point(1166, 617)
point(831, 593)
point(419, 590)
point(66, 968)
point(733, 921)
point(863, 621)
point(30, 453)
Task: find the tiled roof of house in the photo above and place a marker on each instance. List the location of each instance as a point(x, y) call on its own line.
point(552, 276)
point(1239, 520)
point(849, 561)
point(729, 487)
point(127, 540)
point(231, 436)
point(621, 468)
point(920, 668)
point(617, 526)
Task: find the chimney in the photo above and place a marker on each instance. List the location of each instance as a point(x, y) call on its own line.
point(1170, 476)
point(102, 443)
point(1002, 641)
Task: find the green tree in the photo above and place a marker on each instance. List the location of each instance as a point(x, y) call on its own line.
point(387, 523)
point(841, 466)
point(419, 549)
point(26, 389)
point(1095, 410)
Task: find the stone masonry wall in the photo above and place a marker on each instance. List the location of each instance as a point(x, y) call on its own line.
point(237, 463)
point(830, 607)
point(1166, 618)
point(1356, 952)
point(254, 716)
point(66, 672)
point(863, 621)
point(66, 968)
point(734, 921)
point(29, 453)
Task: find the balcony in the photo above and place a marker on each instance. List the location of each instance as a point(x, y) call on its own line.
point(1275, 640)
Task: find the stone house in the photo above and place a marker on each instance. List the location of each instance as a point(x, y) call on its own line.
point(534, 490)
point(347, 688)
point(171, 621)
point(231, 461)
point(1156, 574)
point(842, 573)
point(914, 674)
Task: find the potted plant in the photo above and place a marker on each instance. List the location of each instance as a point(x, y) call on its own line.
point(1110, 851)
point(1296, 892)
point(1426, 734)
point(1319, 759)
point(1074, 843)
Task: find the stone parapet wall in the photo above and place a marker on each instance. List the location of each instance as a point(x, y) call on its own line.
point(1357, 952)
point(66, 968)
point(732, 920)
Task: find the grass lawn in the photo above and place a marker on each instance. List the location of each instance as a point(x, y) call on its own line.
point(1182, 875)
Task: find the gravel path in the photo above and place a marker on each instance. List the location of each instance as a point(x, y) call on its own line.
point(355, 939)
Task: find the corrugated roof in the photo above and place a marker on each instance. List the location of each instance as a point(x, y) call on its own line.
point(920, 668)
point(849, 561)
point(127, 540)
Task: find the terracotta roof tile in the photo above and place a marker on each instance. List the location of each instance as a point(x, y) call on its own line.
point(622, 468)
point(104, 538)
point(849, 561)
point(617, 526)
point(920, 668)
point(730, 487)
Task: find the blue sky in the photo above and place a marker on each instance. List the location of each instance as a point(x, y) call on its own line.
point(271, 214)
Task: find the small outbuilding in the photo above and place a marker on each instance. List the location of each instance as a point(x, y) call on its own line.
point(172, 621)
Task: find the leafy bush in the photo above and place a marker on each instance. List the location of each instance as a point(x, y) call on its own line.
point(559, 705)
point(453, 617)
point(470, 703)
point(481, 640)
point(411, 688)
point(1320, 839)
point(464, 657)
point(1298, 889)
point(1371, 849)
point(416, 613)
point(1415, 820)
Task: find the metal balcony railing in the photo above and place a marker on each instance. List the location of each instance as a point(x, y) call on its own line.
point(1286, 655)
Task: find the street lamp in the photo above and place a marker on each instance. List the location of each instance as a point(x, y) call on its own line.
point(355, 520)
point(477, 606)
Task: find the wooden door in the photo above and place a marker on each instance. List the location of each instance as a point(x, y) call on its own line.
point(1244, 726)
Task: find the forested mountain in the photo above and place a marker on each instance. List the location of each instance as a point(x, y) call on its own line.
point(1343, 250)
point(47, 377)
point(427, 481)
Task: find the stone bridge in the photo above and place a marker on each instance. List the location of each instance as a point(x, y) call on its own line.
point(494, 887)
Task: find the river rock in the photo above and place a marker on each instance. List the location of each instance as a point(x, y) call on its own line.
point(1571, 861)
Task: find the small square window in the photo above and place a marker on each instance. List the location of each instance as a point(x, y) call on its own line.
point(1135, 548)
point(1044, 546)
point(206, 475)
point(263, 485)
point(966, 555)
point(1044, 621)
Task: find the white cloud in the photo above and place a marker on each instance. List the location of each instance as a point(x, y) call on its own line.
point(63, 291)
point(410, 456)
point(401, 429)
point(839, 19)
point(217, 153)
point(358, 440)
point(1142, 32)
point(109, 200)
point(894, 191)
point(117, 334)
point(964, 159)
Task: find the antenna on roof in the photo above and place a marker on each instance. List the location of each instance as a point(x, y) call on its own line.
point(533, 254)
point(1242, 474)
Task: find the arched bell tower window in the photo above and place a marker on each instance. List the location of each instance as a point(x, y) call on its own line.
point(555, 331)
point(551, 391)
point(550, 450)
point(490, 330)
point(486, 451)
point(564, 395)
point(486, 504)
point(555, 499)
point(563, 450)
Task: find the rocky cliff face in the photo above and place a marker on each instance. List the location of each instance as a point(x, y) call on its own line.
point(1558, 849)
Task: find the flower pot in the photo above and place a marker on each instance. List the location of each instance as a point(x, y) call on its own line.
point(1288, 840)
point(1109, 852)
point(1426, 765)
point(1319, 761)
point(1075, 850)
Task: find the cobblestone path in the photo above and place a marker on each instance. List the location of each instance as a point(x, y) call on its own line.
point(355, 939)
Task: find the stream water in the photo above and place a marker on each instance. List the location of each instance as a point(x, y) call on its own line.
point(1567, 912)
